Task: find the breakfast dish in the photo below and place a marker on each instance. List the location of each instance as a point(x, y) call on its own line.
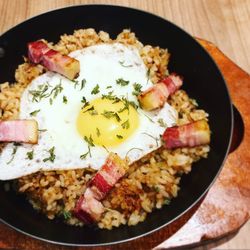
point(97, 131)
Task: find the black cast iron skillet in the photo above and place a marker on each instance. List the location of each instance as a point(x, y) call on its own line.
point(202, 81)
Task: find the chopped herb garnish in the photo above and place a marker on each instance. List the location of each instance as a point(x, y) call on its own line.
point(125, 101)
point(95, 90)
point(52, 155)
point(126, 66)
point(194, 102)
point(83, 156)
point(126, 105)
point(76, 83)
point(148, 75)
point(155, 138)
point(56, 90)
point(162, 123)
point(147, 117)
point(119, 136)
point(89, 151)
point(83, 100)
point(133, 104)
point(89, 109)
point(132, 150)
point(137, 89)
point(123, 109)
point(117, 117)
point(111, 114)
point(105, 148)
point(83, 82)
point(35, 112)
point(122, 82)
point(13, 154)
point(166, 202)
point(109, 87)
point(42, 92)
point(66, 214)
point(37, 95)
point(50, 101)
point(157, 189)
point(116, 100)
point(65, 100)
point(89, 141)
point(85, 105)
point(125, 125)
point(108, 114)
point(42, 130)
point(30, 155)
point(93, 112)
point(98, 133)
point(110, 96)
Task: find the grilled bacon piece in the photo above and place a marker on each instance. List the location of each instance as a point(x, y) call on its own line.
point(157, 95)
point(154, 97)
point(19, 131)
point(39, 52)
point(89, 208)
point(188, 135)
point(173, 82)
point(36, 50)
point(108, 175)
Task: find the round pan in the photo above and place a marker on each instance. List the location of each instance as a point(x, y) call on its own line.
point(202, 81)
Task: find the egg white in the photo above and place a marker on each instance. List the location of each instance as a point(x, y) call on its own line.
point(100, 64)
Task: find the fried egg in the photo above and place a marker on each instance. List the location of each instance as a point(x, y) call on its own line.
point(81, 121)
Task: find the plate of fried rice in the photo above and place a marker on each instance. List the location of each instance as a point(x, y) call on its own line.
point(124, 185)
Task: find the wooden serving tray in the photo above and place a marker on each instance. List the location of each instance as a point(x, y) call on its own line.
point(226, 206)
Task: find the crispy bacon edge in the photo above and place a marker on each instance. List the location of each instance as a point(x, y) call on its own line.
point(23, 131)
point(89, 208)
point(189, 135)
point(39, 52)
point(157, 95)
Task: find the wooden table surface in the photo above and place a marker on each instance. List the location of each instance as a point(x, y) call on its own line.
point(224, 22)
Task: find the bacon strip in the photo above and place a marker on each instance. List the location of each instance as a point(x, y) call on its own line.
point(19, 131)
point(188, 135)
point(36, 50)
point(157, 95)
point(107, 176)
point(39, 52)
point(89, 208)
point(173, 82)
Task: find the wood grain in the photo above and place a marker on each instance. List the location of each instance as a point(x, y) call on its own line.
point(223, 22)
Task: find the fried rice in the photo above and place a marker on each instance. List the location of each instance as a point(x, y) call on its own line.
point(149, 184)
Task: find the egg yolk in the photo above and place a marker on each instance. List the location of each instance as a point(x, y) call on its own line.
point(107, 122)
